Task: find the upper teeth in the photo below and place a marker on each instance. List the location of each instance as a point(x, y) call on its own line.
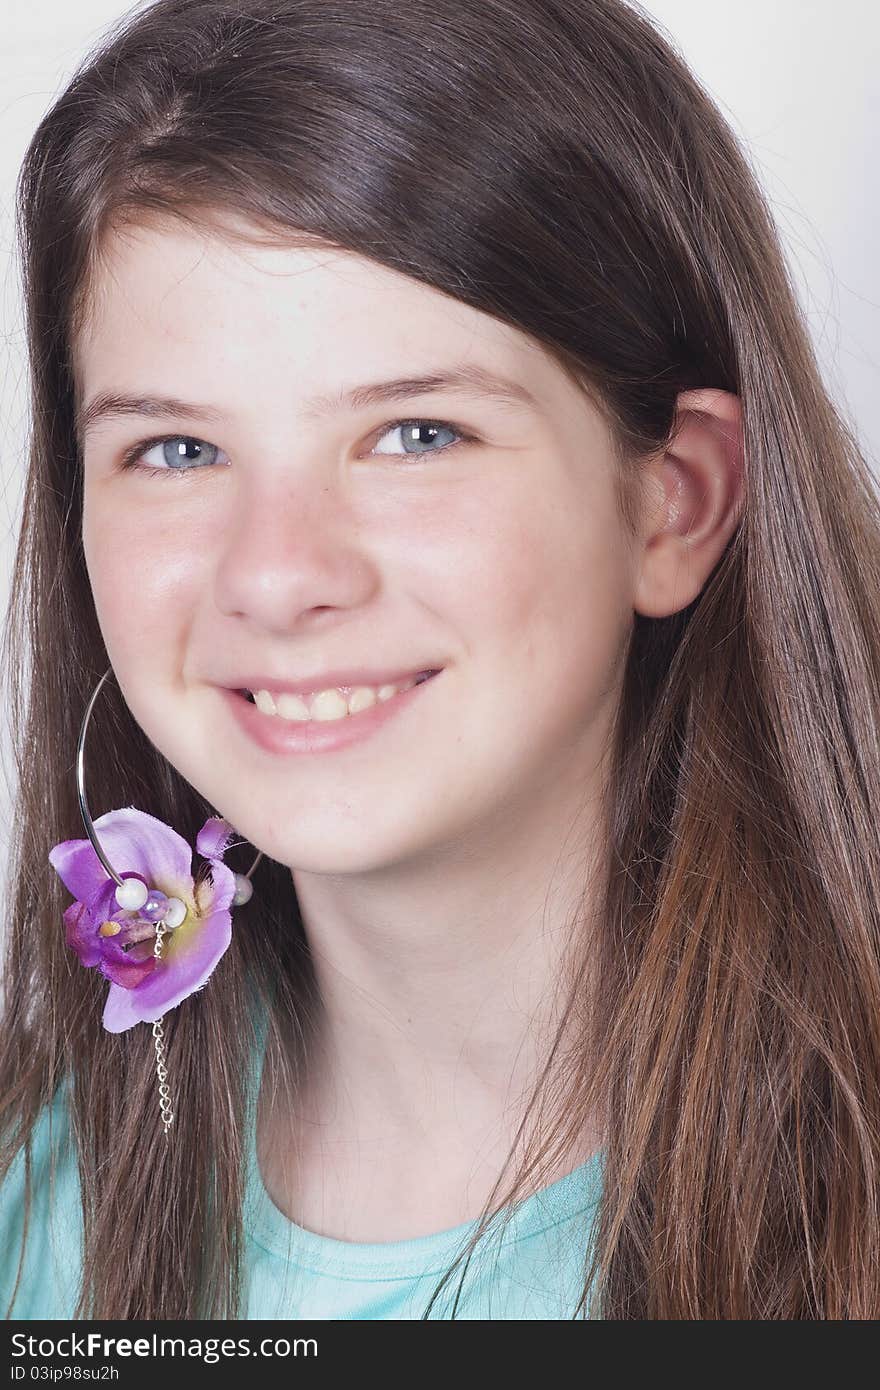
point(333, 703)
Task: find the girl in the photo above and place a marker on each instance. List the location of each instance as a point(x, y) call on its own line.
point(427, 440)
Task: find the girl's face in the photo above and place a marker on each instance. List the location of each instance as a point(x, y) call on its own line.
point(280, 537)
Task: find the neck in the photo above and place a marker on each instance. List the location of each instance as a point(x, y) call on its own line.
point(441, 990)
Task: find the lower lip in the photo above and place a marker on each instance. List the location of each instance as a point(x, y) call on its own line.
point(277, 735)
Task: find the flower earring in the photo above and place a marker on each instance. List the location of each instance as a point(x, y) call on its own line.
point(152, 933)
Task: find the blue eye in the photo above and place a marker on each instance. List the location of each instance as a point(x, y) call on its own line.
point(182, 453)
point(414, 432)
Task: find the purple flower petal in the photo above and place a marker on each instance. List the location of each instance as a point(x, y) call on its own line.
point(81, 934)
point(189, 955)
point(214, 838)
point(80, 870)
point(119, 967)
point(143, 988)
point(135, 843)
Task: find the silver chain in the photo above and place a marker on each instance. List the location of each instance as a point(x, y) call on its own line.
point(158, 1038)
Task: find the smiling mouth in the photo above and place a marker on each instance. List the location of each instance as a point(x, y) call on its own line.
point(332, 706)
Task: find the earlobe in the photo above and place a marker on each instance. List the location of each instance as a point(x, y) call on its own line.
point(700, 482)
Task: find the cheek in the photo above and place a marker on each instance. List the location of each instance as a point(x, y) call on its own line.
point(142, 583)
point(140, 575)
point(543, 585)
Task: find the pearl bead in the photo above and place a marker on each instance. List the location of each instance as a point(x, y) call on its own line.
point(131, 894)
point(244, 890)
point(155, 907)
point(175, 913)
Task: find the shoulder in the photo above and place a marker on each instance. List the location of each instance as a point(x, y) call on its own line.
point(48, 1276)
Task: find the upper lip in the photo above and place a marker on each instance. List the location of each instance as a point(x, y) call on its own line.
point(327, 680)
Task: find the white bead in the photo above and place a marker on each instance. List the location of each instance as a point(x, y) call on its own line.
point(132, 893)
point(244, 890)
point(175, 914)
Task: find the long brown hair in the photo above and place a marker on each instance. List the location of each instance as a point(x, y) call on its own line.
point(555, 164)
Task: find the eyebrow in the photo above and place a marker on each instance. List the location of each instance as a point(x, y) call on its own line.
point(467, 378)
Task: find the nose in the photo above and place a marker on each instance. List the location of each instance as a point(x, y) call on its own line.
point(291, 548)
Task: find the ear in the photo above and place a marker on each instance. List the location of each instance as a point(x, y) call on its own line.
point(693, 499)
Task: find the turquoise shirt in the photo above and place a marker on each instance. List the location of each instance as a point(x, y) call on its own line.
point(531, 1267)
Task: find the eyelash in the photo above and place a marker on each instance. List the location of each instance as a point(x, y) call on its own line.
point(130, 458)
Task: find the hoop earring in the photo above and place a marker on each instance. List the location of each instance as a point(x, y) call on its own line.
point(136, 910)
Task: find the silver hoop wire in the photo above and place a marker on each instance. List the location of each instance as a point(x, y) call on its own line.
point(83, 804)
point(243, 887)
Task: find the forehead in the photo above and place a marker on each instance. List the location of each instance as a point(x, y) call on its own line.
point(177, 289)
point(191, 300)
